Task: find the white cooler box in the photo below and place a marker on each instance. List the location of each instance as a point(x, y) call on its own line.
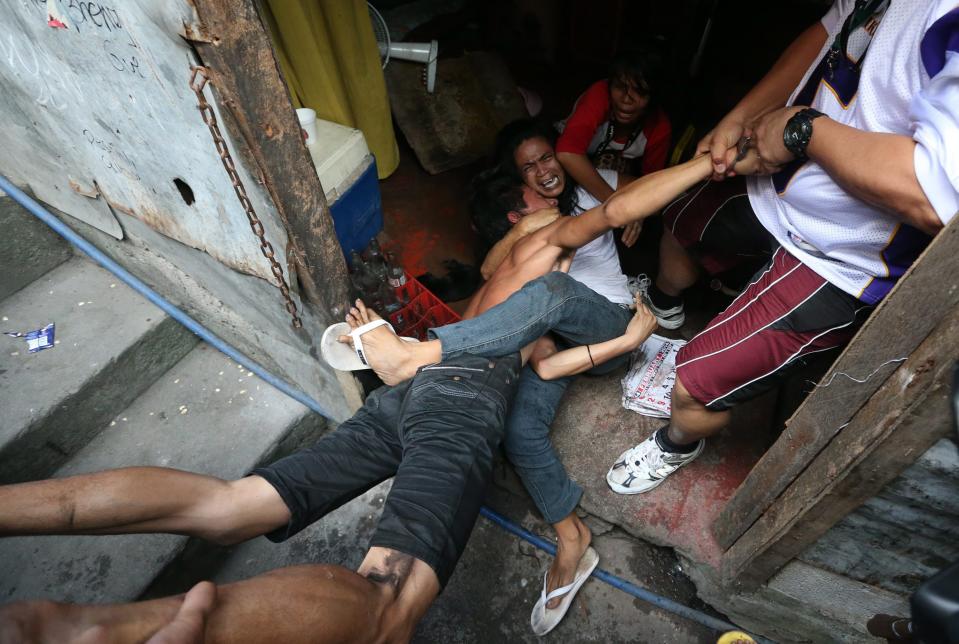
point(347, 172)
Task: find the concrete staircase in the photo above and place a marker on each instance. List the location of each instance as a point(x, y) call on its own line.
point(125, 385)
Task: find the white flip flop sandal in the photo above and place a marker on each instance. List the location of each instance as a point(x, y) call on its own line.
point(543, 619)
point(340, 355)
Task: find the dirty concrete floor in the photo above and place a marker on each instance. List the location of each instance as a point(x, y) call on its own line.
point(496, 583)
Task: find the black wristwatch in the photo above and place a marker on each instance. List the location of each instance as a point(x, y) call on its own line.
point(798, 131)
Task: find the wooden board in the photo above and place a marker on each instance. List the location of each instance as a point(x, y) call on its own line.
point(900, 422)
point(923, 296)
point(259, 113)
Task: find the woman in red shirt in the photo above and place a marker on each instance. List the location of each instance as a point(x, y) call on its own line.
point(617, 124)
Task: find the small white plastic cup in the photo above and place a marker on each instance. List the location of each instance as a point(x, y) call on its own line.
point(307, 118)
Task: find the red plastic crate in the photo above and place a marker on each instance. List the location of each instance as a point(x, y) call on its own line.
point(423, 311)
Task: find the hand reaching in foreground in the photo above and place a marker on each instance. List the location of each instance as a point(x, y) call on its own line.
point(643, 323)
point(188, 626)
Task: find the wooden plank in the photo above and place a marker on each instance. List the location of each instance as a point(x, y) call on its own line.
point(916, 305)
point(253, 97)
point(900, 422)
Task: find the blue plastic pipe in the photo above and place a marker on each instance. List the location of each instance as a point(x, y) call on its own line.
point(137, 285)
point(208, 336)
point(618, 582)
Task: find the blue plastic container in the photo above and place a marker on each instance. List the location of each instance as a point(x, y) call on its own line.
point(358, 213)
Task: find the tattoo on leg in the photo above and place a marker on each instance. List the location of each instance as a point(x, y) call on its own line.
point(393, 570)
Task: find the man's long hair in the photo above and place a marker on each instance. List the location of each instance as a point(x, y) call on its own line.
point(512, 136)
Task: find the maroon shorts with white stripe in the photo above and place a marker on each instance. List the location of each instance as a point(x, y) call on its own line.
point(788, 312)
point(715, 223)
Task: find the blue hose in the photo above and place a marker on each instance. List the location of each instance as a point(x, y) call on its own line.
point(618, 582)
point(208, 336)
point(133, 282)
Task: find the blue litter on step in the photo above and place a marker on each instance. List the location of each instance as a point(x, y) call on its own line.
point(36, 340)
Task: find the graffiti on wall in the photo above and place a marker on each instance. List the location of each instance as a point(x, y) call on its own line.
point(97, 119)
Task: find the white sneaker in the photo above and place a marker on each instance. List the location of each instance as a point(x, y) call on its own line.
point(641, 468)
point(671, 318)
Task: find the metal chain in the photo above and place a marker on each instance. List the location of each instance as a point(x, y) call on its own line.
point(198, 81)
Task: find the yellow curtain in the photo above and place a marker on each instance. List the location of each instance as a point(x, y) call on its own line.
point(331, 62)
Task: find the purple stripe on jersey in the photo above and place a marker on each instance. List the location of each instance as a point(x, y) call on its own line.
point(899, 254)
point(843, 80)
point(782, 178)
point(941, 37)
point(806, 95)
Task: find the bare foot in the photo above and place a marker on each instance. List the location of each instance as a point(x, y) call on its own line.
point(390, 358)
point(573, 540)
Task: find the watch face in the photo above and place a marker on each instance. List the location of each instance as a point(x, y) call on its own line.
point(796, 135)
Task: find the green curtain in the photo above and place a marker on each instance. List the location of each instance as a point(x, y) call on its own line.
point(331, 62)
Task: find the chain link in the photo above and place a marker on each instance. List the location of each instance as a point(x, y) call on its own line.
point(198, 81)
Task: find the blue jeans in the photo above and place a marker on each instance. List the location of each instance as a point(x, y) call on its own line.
point(577, 315)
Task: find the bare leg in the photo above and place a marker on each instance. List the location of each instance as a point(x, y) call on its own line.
point(691, 420)
point(573, 537)
point(143, 499)
point(391, 359)
point(312, 603)
point(677, 270)
point(187, 627)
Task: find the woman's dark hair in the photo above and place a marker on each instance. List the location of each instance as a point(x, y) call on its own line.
point(512, 136)
point(643, 68)
point(492, 195)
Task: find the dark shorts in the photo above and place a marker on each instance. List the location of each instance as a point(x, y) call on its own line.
point(716, 225)
point(435, 433)
point(787, 313)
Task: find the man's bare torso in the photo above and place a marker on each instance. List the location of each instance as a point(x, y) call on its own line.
point(530, 258)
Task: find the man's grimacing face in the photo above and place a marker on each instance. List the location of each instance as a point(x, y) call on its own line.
point(533, 202)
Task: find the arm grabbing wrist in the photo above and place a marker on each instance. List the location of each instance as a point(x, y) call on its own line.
point(525, 226)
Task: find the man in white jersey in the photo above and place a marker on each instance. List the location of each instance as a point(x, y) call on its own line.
point(860, 177)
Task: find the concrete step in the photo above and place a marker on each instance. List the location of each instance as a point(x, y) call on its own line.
point(204, 415)
point(111, 345)
point(28, 248)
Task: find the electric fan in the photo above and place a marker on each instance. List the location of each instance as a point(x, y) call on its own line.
point(418, 52)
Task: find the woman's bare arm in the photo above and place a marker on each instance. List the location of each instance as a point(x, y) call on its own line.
point(550, 366)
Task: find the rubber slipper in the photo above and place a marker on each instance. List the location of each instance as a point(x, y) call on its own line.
point(543, 619)
point(343, 357)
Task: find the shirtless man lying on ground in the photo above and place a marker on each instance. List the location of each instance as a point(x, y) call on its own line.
point(443, 423)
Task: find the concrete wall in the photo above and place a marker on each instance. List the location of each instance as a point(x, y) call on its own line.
point(99, 121)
